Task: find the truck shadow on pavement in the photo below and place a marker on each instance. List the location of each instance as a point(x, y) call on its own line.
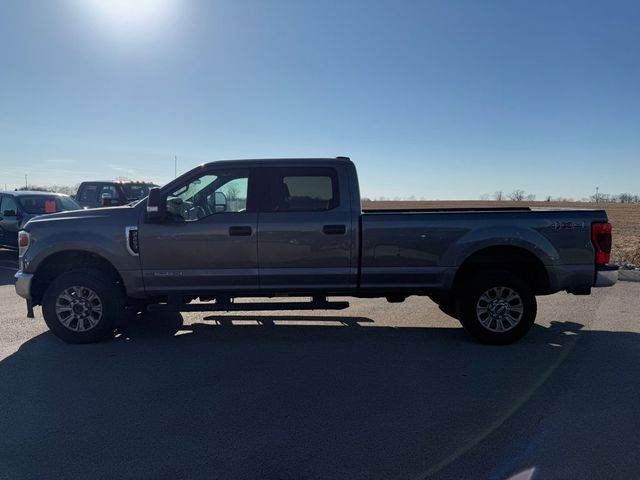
point(221, 400)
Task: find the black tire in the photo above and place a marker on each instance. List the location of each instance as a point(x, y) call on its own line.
point(496, 322)
point(110, 298)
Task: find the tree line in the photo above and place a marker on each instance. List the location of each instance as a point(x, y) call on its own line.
point(521, 195)
point(516, 195)
point(66, 189)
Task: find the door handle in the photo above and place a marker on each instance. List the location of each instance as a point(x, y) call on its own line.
point(241, 231)
point(334, 229)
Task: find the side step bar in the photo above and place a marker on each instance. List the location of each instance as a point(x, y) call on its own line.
point(246, 307)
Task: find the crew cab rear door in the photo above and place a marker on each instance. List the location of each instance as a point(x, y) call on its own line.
point(208, 243)
point(305, 230)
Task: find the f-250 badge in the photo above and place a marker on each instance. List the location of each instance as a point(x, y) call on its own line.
point(567, 225)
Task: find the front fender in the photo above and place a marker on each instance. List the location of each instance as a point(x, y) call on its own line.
point(111, 248)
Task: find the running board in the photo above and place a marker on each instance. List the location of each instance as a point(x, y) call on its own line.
point(246, 307)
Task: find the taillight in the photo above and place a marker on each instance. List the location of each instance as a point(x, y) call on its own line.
point(24, 240)
point(601, 239)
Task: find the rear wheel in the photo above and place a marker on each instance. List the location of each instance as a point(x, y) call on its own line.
point(496, 307)
point(83, 306)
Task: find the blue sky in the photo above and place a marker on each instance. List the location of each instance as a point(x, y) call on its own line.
point(436, 99)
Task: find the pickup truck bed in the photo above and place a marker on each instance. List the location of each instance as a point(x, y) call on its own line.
point(415, 249)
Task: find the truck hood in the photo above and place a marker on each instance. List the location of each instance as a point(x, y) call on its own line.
point(112, 215)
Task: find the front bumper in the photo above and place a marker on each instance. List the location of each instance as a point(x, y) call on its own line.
point(606, 276)
point(23, 284)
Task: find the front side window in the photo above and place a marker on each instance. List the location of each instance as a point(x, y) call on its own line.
point(67, 203)
point(209, 194)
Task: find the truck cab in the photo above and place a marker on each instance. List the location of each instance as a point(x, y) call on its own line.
point(111, 193)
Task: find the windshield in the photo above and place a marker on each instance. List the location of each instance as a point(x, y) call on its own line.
point(43, 204)
point(136, 191)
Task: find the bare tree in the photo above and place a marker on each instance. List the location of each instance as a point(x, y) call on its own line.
point(498, 195)
point(232, 191)
point(517, 195)
point(66, 189)
point(34, 188)
point(531, 197)
point(484, 196)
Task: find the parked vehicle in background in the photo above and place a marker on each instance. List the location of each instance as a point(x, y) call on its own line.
point(107, 193)
point(17, 208)
point(295, 228)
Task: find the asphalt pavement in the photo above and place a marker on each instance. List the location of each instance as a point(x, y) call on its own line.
point(378, 391)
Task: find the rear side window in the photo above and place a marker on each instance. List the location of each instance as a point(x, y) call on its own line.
point(109, 190)
point(301, 189)
point(89, 193)
point(40, 204)
point(135, 191)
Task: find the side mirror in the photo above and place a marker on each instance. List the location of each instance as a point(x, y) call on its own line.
point(107, 200)
point(220, 202)
point(10, 213)
point(156, 209)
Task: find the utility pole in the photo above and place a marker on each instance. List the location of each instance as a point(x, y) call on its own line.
point(26, 184)
point(596, 194)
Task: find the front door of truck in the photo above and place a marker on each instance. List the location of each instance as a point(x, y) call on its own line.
point(305, 230)
point(208, 242)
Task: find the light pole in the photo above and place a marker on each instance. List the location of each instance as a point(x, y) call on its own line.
point(596, 194)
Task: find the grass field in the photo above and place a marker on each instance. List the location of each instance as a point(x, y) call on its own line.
point(624, 217)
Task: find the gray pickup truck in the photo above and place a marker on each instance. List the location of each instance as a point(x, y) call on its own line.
point(295, 228)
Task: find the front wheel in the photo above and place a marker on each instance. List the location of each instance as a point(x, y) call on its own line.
point(496, 307)
point(83, 306)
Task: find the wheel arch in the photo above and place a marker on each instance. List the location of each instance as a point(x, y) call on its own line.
point(66, 260)
point(515, 259)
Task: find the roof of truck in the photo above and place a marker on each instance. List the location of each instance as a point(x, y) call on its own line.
point(22, 193)
point(281, 161)
point(121, 182)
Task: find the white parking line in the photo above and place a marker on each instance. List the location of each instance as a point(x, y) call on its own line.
point(13, 269)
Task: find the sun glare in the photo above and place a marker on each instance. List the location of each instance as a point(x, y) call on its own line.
point(131, 17)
